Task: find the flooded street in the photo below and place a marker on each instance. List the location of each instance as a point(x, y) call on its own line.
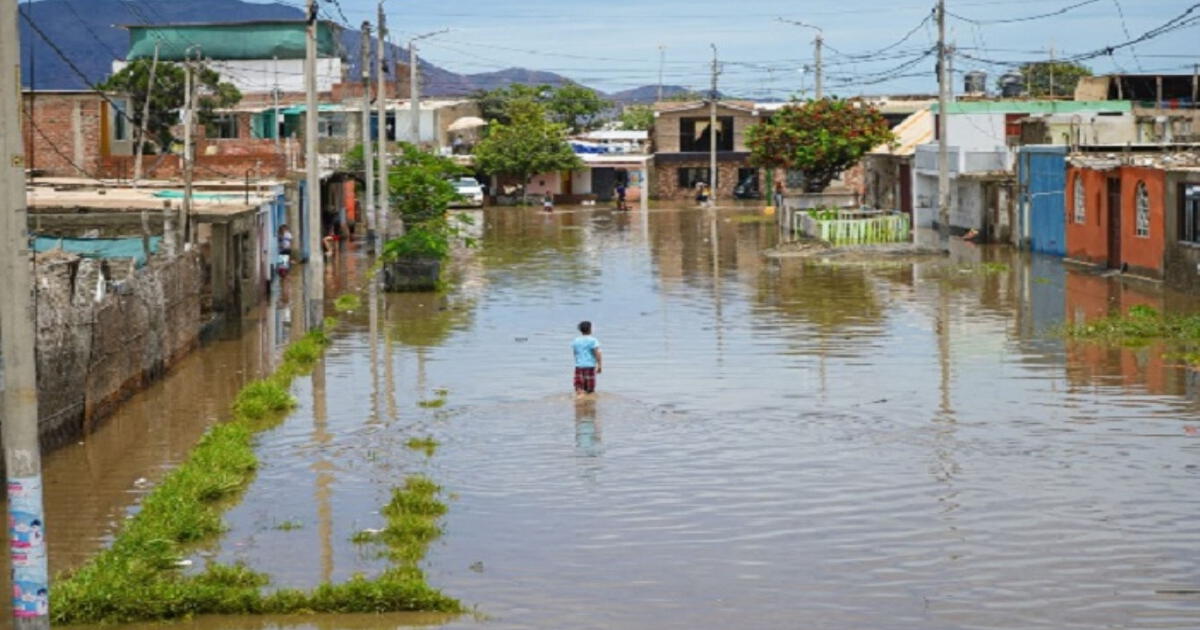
point(776, 443)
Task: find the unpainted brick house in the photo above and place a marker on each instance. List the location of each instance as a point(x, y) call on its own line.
point(681, 144)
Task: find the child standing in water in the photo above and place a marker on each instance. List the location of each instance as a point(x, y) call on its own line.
point(547, 202)
point(588, 361)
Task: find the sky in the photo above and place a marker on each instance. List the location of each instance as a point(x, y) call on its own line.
point(615, 44)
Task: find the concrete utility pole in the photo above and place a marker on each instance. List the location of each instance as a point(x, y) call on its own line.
point(383, 220)
point(415, 86)
point(1051, 71)
point(712, 129)
point(22, 454)
point(943, 141)
point(662, 60)
point(818, 43)
point(316, 256)
point(141, 135)
point(368, 154)
point(189, 121)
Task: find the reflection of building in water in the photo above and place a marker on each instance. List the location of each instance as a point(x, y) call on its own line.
point(1090, 297)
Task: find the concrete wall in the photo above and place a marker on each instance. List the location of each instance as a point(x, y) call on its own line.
point(665, 135)
point(261, 76)
point(93, 354)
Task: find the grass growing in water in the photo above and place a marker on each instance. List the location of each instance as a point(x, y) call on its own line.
point(347, 302)
point(433, 403)
point(426, 444)
point(289, 525)
point(1142, 325)
point(140, 578)
point(412, 525)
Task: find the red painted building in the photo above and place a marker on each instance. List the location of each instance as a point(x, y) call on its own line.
point(1115, 215)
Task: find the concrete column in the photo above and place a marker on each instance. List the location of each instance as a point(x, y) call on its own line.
point(220, 265)
point(77, 135)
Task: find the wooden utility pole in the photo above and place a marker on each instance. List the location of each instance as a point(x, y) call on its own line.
point(712, 129)
point(141, 134)
point(943, 116)
point(316, 256)
point(384, 221)
point(22, 454)
point(368, 154)
point(189, 159)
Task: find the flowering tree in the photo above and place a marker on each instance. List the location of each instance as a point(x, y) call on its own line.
point(819, 138)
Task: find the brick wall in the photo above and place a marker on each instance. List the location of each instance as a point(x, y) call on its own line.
point(67, 133)
point(223, 166)
point(665, 179)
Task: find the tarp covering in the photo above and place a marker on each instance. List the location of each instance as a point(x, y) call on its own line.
point(102, 248)
point(178, 194)
point(250, 40)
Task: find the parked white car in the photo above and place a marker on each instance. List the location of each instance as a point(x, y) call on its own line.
point(471, 192)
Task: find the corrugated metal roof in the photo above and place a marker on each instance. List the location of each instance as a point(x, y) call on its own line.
point(915, 130)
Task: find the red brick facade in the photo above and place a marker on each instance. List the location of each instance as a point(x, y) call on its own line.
point(68, 134)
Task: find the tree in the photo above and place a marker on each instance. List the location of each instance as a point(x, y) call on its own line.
point(494, 104)
point(819, 138)
point(167, 97)
point(1065, 74)
point(419, 183)
point(637, 118)
point(577, 107)
point(528, 145)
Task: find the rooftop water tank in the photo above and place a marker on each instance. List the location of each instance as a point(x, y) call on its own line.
point(975, 82)
point(1012, 84)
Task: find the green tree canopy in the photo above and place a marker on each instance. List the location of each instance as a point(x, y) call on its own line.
point(529, 145)
point(637, 118)
point(573, 105)
point(167, 97)
point(1065, 75)
point(819, 138)
point(419, 183)
point(577, 107)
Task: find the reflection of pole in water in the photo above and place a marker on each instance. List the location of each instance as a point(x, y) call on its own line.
point(373, 299)
point(323, 468)
point(714, 237)
point(943, 333)
point(389, 373)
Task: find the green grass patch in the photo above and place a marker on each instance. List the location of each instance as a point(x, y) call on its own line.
point(289, 525)
point(412, 523)
point(140, 576)
point(428, 445)
point(1141, 326)
point(994, 267)
point(434, 403)
point(347, 302)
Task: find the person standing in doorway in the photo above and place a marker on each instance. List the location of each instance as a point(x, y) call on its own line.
point(588, 360)
point(778, 194)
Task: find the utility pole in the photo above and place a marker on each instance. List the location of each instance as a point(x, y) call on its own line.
point(712, 129)
point(383, 220)
point(820, 72)
point(189, 99)
point(275, 104)
point(1051, 71)
point(943, 115)
point(22, 453)
point(316, 256)
point(141, 135)
point(662, 60)
point(818, 43)
point(368, 154)
point(415, 86)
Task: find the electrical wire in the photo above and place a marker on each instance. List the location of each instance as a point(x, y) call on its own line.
point(1028, 18)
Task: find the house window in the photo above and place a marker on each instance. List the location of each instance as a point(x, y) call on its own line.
point(120, 120)
point(694, 134)
point(223, 126)
point(1189, 214)
point(794, 179)
point(331, 126)
point(747, 184)
point(687, 178)
point(1080, 201)
point(1142, 218)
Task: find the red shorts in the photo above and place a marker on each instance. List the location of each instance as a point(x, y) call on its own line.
point(585, 379)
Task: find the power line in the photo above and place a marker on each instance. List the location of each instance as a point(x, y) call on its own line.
point(1028, 18)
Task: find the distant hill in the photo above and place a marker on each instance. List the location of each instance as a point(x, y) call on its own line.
point(646, 94)
point(86, 33)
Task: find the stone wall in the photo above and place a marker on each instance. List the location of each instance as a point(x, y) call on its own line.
point(95, 353)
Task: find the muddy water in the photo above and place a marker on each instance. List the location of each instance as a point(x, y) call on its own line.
point(776, 444)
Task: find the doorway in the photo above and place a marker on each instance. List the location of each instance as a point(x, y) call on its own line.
point(1114, 223)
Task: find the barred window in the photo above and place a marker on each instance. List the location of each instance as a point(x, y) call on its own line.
point(1080, 202)
point(1143, 210)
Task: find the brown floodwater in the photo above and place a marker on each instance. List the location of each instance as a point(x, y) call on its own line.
point(776, 443)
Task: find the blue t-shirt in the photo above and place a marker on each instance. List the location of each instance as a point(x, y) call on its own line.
point(585, 351)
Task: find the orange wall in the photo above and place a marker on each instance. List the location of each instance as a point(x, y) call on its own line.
point(1088, 241)
point(1143, 252)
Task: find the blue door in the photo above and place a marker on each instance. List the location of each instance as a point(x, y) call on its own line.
point(1044, 180)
